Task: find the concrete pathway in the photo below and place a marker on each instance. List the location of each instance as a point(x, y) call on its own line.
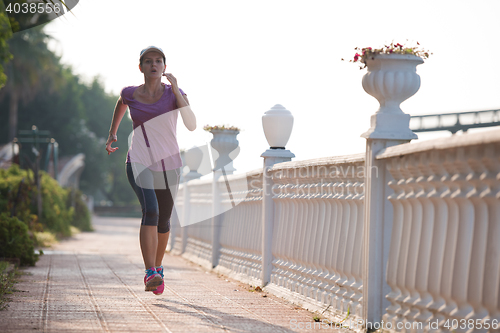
point(94, 282)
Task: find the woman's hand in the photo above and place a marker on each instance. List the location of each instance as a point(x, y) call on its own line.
point(171, 79)
point(182, 103)
point(112, 138)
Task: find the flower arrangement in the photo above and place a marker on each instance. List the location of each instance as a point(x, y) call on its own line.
point(362, 54)
point(209, 128)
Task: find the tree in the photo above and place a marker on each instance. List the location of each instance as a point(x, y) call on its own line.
point(77, 114)
point(30, 58)
point(5, 34)
point(78, 117)
point(32, 66)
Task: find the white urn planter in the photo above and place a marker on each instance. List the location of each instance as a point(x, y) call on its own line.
point(391, 79)
point(277, 124)
point(193, 158)
point(224, 141)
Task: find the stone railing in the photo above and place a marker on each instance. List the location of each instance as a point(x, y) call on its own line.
point(403, 237)
point(237, 231)
point(195, 240)
point(240, 231)
point(442, 267)
point(444, 261)
point(318, 227)
point(316, 201)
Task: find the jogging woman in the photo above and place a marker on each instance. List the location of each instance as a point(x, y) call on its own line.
point(153, 160)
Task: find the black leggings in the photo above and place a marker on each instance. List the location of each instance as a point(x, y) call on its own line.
point(156, 192)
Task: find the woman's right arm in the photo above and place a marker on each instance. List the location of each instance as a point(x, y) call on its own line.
point(118, 114)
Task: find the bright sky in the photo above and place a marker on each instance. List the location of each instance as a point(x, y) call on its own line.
point(236, 59)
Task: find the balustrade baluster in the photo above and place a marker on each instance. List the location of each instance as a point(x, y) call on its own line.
point(464, 240)
point(332, 221)
point(281, 213)
point(396, 239)
point(439, 235)
point(451, 243)
point(320, 243)
point(335, 242)
point(325, 208)
point(420, 313)
point(491, 291)
point(293, 245)
point(315, 241)
point(350, 244)
point(309, 224)
point(416, 229)
point(357, 264)
point(480, 235)
point(304, 226)
point(405, 244)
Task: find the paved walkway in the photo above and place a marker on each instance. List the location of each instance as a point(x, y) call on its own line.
point(94, 282)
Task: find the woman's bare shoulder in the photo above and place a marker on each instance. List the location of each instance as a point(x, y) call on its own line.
point(129, 89)
point(127, 94)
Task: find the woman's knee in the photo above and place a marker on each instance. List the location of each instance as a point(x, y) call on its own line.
point(163, 228)
point(150, 216)
point(163, 224)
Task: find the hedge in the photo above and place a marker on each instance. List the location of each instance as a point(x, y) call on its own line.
point(15, 241)
point(18, 197)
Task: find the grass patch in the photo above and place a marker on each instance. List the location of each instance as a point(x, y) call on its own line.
point(338, 324)
point(45, 239)
point(8, 274)
point(74, 230)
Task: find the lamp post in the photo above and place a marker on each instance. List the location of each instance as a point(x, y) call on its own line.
point(34, 136)
point(277, 123)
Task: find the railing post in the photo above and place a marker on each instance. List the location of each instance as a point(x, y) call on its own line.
point(224, 142)
point(377, 231)
point(271, 157)
point(389, 126)
point(277, 124)
point(216, 207)
point(174, 219)
point(193, 159)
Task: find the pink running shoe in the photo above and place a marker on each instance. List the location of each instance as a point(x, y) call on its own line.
point(152, 279)
point(161, 287)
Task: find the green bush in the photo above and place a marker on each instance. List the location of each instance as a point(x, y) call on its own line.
point(16, 193)
point(81, 215)
point(15, 241)
point(56, 215)
point(18, 196)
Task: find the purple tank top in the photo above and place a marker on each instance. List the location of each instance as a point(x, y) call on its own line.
point(164, 142)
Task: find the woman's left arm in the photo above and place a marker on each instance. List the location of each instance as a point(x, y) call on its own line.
point(187, 114)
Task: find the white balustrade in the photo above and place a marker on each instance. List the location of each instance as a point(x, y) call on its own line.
point(444, 263)
point(241, 232)
point(317, 239)
point(199, 235)
point(175, 237)
point(404, 233)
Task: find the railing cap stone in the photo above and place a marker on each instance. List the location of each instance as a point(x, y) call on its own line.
point(456, 141)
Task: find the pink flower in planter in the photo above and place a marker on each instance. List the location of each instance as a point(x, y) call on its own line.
point(370, 53)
